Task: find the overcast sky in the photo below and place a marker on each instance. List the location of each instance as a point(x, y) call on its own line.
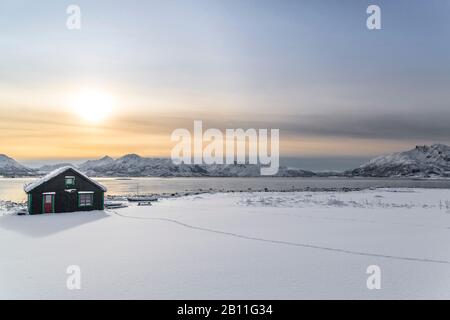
point(310, 68)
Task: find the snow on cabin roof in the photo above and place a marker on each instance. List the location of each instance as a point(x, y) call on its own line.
point(28, 187)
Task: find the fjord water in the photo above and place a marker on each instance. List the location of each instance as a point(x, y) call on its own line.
point(12, 188)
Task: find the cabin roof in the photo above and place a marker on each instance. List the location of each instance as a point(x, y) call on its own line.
point(29, 187)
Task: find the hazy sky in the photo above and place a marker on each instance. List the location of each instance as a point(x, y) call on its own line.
point(310, 68)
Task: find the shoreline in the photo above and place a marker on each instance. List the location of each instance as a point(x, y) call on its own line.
point(8, 207)
point(317, 176)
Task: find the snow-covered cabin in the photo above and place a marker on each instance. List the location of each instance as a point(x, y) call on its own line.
point(64, 190)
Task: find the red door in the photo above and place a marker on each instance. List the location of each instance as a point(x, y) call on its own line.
point(48, 203)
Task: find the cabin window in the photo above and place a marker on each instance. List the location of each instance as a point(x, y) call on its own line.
point(85, 199)
point(70, 182)
point(48, 199)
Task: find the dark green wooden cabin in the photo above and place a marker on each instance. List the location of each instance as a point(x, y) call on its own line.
point(64, 190)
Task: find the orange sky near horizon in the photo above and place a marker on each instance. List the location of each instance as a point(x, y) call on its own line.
point(29, 134)
point(36, 125)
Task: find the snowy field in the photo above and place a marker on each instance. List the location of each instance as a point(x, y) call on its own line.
point(237, 246)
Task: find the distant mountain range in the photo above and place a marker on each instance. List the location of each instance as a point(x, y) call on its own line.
point(422, 161)
point(132, 165)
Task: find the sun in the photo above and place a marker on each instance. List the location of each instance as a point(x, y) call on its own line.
point(92, 105)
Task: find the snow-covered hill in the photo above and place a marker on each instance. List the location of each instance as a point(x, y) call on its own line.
point(10, 167)
point(422, 161)
point(134, 165)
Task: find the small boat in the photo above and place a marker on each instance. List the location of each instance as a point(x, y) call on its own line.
point(142, 199)
point(115, 205)
point(145, 203)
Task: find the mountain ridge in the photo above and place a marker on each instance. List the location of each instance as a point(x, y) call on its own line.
point(421, 162)
point(10, 167)
point(136, 166)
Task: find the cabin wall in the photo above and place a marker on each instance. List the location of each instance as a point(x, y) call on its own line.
point(65, 201)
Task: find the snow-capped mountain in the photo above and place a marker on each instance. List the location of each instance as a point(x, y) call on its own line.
point(133, 165)
point(91, 164)
point(10, 167)
point(422, 161)
point(51, 167)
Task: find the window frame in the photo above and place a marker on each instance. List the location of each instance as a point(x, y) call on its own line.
point(68, 185)
point(48, 198)
point(82, 201)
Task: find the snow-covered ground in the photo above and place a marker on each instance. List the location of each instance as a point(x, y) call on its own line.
point(237, 246)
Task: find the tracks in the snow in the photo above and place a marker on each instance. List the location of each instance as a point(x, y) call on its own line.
point(287, 243)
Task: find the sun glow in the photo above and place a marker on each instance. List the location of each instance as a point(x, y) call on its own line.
point(91, 105)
